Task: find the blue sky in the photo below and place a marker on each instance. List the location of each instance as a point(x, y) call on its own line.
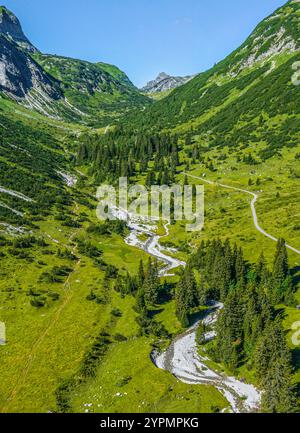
point(142, 37)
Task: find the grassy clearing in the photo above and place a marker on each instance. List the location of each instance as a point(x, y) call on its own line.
point(127, 381)
point(46, 345)
point(228, 212)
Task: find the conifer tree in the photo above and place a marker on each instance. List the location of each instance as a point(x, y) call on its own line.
point(185, 180)
point(282, 288)
point(262, 274)
point(271, 345)
point(150, 179)
point(273, 367)
point(281, 266)
point(253, 324)
point(240, 268)
point(151, 284)
point(279, 394)
point(140, 303)
point(186, 296)
point(229, 340)
point(141, 274)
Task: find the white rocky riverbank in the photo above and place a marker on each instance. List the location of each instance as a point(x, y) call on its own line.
point(182, 358)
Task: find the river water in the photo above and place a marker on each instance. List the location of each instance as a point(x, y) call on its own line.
point(182, 358)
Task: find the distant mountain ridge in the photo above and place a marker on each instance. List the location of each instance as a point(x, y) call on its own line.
point(164, 82)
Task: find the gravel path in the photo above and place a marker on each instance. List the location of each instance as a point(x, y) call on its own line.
point(253, 210)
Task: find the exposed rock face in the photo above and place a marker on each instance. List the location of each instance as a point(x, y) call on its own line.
point(165, 82)
point(20, 74)
point(10, 26)
point(278, 34)
point(58, 86)
point(21, 78)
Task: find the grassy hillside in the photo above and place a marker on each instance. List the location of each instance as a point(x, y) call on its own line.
point(100, 92)
point(223, 104)
point(237, 124)
point(59, 87)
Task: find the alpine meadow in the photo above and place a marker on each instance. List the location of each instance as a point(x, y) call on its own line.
point(135, 313)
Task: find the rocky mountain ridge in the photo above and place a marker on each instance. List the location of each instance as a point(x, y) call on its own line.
point(222, 102)
point(10, 27)
point(164, 82)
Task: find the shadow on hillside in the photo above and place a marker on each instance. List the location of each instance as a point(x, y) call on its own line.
point(295, 272)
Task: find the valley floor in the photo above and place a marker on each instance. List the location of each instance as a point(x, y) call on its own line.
point(46, 346)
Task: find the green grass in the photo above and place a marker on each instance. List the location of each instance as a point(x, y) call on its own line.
point(47, 345)
point(148, 390)
point(228, 213)
point(99, 90)
point(31, 374)
point(167, 316)
point(116, 252)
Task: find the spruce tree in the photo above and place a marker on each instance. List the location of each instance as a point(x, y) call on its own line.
point(141, 274)
point(240, 268)
point(229, 342)
point(186, 296)
point(151, 283)
point(271, 346)
point(279, 394)
point(261, 270)
point(281, 266)
point(282, 287)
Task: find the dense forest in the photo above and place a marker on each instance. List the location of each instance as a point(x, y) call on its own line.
point(120, 153)
point(249, 327)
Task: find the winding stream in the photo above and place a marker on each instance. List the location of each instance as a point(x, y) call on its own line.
point(140, 226)
point(182, 358)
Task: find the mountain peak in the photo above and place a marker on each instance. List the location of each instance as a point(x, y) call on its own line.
point(10, 26)
point(164, 82)
point(162, 76)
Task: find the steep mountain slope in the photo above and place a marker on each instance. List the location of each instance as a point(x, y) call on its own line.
point(164, 82)
point(31, 159)
point(22, 79)
point(60, 87)
point(239, 99)
point(96, 89)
